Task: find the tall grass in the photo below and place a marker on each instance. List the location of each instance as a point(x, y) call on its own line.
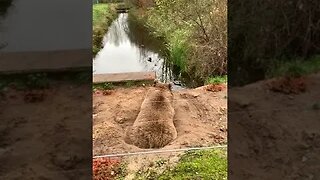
point(295, 67)
point(195, 32)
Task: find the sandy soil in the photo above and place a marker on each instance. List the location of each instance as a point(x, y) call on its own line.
point(200, 119)
point(44, 133)
point(274, 135)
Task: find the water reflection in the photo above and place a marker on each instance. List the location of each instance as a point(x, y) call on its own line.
point(45, 25)
point(4, 7)
point(129, 48)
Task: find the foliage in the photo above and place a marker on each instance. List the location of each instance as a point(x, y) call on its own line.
point(195, 31)
point(25, 81)
point(43, 80)
point(216, 80)
point(103, 15)
point(260, 31)
point(294, 68)
point(103, 86)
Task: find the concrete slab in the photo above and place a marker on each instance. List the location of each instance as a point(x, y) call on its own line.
point(120, 77)
point(42, 61)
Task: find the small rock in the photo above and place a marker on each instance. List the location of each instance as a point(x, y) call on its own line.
point(178, 83)
point(304, 159)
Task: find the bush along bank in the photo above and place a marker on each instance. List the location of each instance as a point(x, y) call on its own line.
point(103, 15)
point(195, 33)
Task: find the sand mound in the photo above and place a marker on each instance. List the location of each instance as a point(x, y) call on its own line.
point(199, 118)
point(154, 126)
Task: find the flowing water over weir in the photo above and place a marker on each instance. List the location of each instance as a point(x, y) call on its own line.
point(129, 48)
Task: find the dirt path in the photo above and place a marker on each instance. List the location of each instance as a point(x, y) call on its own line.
point(200, 120)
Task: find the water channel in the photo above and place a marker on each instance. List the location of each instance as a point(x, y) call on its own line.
point(129, 47)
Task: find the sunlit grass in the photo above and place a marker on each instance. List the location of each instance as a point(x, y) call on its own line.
point(217, 80)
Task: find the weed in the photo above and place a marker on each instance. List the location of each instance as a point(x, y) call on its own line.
point(160, 162)
point(25, 81)
point(103, 86)
point(216, 80)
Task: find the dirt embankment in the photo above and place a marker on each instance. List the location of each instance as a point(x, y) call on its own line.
point(200, 118)
point(274, 131)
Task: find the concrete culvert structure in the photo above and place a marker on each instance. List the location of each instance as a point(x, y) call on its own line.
point(154, 127)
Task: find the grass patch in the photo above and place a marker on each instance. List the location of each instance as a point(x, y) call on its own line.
point(103, 15)
point(203, 164)
point(123, 84)
point(43, 80)
point(206, 164)
point(103, 86)
point(296, 68)
point(217, 80)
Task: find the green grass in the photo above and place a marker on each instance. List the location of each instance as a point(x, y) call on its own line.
point(123, 84)
point(103, 86)
point(294, 68)
point(217, 80)
point(204, 165)
point(42, 80)
point(103, 15)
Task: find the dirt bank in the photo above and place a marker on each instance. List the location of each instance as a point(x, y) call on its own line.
point(272, 134)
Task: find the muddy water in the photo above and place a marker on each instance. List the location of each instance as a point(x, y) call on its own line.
point(128, 47)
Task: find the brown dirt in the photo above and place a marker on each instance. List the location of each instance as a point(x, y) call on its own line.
point(275, 135)
point(43, 133)
point(288, 85)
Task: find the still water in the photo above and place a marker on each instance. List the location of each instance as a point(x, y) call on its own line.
point(45, 25)
point(128, 47)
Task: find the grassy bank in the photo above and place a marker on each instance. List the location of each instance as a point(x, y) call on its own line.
point(195, 33)
point(295, 67)
point(44, 80)
point(103, 15)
